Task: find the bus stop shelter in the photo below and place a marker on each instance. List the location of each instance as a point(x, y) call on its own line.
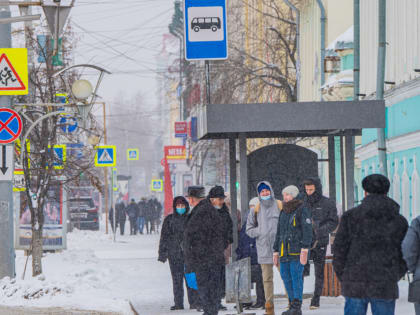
point(343, 119)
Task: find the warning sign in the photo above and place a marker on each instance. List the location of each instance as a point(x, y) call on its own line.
point(13, 71)
point(106, 156)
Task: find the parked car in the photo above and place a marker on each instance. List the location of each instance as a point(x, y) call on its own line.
point(84, 214)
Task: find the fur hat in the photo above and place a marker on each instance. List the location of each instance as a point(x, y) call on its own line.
point(196, 192)
point(217, 192)
point(376, 184)
point(291, 190)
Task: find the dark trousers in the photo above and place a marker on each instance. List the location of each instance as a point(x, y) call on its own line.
point(256, 277)
point(209, 283)
point(178, 276)
point(318, 256)
point(133, 225)
point(222, 289)
point(122, 227)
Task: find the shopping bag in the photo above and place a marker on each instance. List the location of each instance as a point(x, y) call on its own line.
point(191, 280)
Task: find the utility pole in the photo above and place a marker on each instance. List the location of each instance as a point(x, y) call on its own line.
point(7, 251)
point(106, 175)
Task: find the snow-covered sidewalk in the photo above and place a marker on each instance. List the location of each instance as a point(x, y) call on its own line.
point(99, 275)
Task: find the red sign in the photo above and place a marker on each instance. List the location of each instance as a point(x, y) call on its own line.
point(10, 125)
point(175, 152)
point(181, 128)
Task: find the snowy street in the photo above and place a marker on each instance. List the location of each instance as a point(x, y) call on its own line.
point(96, 274)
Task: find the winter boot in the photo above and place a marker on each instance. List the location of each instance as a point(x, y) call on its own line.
point(314, 303)
point(269, 308)
point(296, 307)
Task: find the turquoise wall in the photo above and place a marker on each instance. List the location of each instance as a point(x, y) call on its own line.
point(401, 118)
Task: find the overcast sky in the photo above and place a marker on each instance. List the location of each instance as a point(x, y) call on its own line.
point(124, 37)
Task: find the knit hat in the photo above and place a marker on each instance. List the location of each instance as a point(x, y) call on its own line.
point(254, 201)
point(263, 186)
point(376, 184)
point(291, 190)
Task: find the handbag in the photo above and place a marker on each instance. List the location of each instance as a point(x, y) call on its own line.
point(413, 290)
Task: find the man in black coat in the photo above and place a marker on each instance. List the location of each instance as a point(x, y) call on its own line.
point(133, 214)
point(150, 216)
point(120, 216)
point(324, 221)
point(368, 259)
point(204, 244)
point(170, 248)
point(142, 211)
point(217, 199)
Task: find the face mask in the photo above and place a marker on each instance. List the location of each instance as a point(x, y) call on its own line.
point(218, 207)
point(181, 211)
point(265, 197)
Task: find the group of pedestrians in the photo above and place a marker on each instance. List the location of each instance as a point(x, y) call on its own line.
point(146, 213)
point(372, 249)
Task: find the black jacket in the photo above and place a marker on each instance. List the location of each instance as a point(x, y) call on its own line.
point(132, 210)
point(367, 249)
point(142, 208)
point(172, 235)
point(120, 215)
point(411, 248)
point(294, 231)
point(149, 213)
point(324, 215)
point(227, 225)
point(204, 241)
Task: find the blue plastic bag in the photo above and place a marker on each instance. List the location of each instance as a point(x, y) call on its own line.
point(191, 280)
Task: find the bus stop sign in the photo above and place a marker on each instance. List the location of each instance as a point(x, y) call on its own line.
point(205, 29)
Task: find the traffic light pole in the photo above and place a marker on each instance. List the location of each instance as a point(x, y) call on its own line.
point(7, 251)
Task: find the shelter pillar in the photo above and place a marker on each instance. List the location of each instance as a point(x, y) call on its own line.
point(243, 175)
point(233, 193)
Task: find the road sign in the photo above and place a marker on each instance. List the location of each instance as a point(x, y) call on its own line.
point(205, 29)
point(10, 125)
point(6, 162)
point(133, 154)
point(114, 179)
point(68, 124)
point(157, 185)
point(60, 152)
point(19, 181)
point(13, 71)
point(106, 156)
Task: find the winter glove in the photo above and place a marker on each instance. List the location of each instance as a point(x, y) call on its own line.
point(304, 256)
point(162, 259)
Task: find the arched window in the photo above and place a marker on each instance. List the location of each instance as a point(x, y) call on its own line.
point(396, 185)
point(405, 189)
point(415, 184)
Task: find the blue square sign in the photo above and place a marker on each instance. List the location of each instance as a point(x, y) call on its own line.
point(205, 29)
point(106, 156)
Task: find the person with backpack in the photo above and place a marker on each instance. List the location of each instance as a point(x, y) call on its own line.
point(411, 253)
point(291, 248)
point(247, 247)
point(262, 225)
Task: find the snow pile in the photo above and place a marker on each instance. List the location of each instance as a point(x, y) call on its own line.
point(342, 78)
point(344, 41)
point(34, 288)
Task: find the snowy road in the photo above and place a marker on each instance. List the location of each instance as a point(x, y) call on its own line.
point(97, 274)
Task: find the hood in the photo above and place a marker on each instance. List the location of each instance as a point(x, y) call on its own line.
point(316, 196)
point(273, 196)
point(184, 201)
point(380, 206)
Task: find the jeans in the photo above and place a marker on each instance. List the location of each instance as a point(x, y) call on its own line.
point(292, 274)
point(356, 306)
point(140, 222)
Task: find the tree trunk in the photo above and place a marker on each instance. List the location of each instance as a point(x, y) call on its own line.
point(36, 252)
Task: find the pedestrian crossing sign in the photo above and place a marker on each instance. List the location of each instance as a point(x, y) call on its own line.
point(106, 156)
point(157, 185)
point(133, 154)
point(13, 71)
